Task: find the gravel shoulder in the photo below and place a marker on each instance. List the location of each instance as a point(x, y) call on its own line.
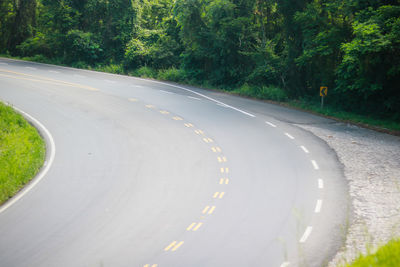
point(371, 163)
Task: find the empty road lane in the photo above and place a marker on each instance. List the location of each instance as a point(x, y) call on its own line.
point(149, 173)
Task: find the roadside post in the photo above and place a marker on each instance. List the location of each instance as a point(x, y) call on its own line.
point(323, 91)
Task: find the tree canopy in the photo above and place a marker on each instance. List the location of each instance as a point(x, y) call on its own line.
point(351, 46)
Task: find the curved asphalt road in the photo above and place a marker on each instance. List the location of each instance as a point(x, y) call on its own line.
point(151, 174)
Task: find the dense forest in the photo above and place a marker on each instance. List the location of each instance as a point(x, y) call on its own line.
point(274, 49)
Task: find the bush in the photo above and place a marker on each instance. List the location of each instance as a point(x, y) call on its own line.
point(83, 46)
point(39, 44)
point(171, 74)
point(265, 92)
point(272, 93)
point(111, 68)
point(144, 72)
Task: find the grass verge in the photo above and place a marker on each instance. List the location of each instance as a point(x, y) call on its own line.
point(22, 152)
point(382, 125)
point(386, 256)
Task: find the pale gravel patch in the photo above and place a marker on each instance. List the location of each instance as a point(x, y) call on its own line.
point(372, 167)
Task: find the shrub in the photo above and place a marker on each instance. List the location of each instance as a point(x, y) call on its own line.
point(265, 92)
point(272, 93)
point(111, 68)
point(171, 74)
point(144, 72)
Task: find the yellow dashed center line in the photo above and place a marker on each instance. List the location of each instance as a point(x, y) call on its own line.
point(199, 132)
point(177, 246)
point(216, 149)
point(219, 195)
point(46, 80)
point(133, 99)
point(150, 106)
point(205, 209)
point(211, 210)
point(224, 181)
point(177, 118)
point(170, 246)
point(148, 265)
point(197, 226)
point(164, 112)
point(208, 209)
point(208, 140)
point(224, 170)
point(190, 227)
point(189, 125)
point(222, 159)
point(194, 226)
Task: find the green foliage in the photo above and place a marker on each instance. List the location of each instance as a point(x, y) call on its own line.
point(265, 92)
point(83, 46)
point(22, 152)
point(350, 46)
point(386, 256)
point(370, 68)
point(172, 74)
point(145, 72)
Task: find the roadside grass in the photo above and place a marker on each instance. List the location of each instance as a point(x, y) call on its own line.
point(22, 152)
point(383, 125)
point(386, 256)
point(270, 93)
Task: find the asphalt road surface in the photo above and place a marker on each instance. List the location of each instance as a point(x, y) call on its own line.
point(148, 173)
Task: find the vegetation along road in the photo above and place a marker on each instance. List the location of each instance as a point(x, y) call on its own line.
point(133, 181)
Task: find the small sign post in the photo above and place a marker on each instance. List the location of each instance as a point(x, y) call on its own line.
point(323, 91)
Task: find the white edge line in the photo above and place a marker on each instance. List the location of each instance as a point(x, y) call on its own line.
point(204, 96)
point(285, 264)
point(318, 206)
point(270, 124)
point(192, 97)
point(141, 79)
point(306, 234)
point(314, 163)
point(46, 166)
point(320, 183)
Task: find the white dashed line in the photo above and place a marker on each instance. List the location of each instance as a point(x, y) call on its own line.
point(109, 81)
point(222, 105)
point(167, 92)
point(314, 163)
point(320, 183)
point(204, 96)
point(288, 135)
point(270, 124)
point(31, 68)
point(318, 206)
point(306, 234)
point(192, 97)
point(305, 149)
point(285, 264)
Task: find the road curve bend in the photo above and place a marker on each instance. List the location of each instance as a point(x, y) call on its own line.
point(155, 174)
